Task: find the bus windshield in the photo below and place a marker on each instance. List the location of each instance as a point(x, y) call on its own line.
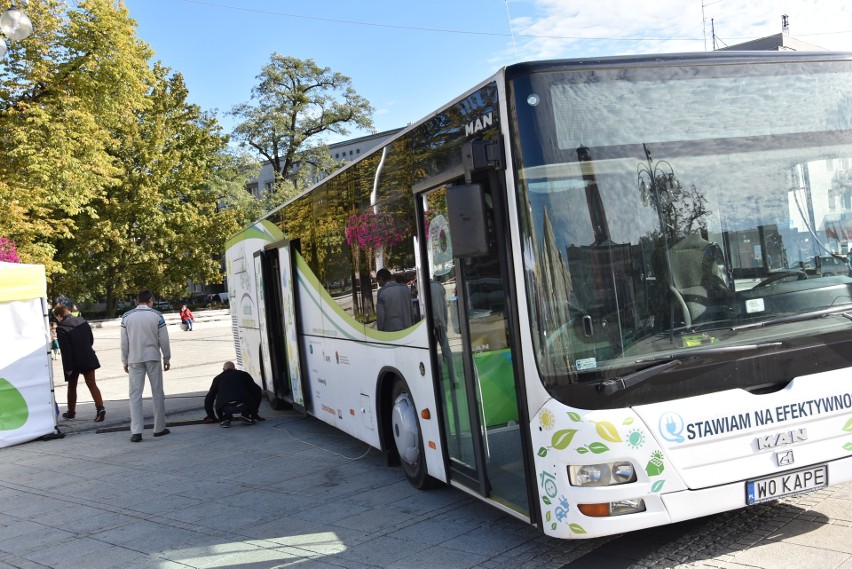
point(672, 209)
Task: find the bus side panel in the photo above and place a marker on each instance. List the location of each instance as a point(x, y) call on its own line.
point(343, 360)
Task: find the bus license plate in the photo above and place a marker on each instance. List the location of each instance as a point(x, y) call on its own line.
point(787, 484)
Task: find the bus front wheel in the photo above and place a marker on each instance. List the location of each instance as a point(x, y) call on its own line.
point(407, 437)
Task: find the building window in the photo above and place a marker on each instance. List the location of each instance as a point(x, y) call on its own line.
point(252, 189)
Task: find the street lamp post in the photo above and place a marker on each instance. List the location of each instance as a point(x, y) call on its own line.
point(15, 25)
point(657, 183)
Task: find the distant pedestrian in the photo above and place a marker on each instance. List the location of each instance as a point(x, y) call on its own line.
point(144, 336)
point(75, 339)
point(393, 304)
point(54, 341)
point(186, 318)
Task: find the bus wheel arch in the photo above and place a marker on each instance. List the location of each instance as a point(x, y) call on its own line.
point(405, 434)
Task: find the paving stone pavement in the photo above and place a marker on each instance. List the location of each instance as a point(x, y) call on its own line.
point(293, 492)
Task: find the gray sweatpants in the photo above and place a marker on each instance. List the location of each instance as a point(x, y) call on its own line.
point(154, 371)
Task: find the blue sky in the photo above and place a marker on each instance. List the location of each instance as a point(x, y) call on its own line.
point(410, 58)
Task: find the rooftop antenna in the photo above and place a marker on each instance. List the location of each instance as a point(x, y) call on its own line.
point(785, 24)
point(713, 32)
point(509, 17)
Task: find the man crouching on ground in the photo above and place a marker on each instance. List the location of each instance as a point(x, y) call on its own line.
point(233, 391)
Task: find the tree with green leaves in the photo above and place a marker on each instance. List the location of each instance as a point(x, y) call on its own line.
point(228, 178)
point(294, 104)
point(65, 93)
point(160, 224)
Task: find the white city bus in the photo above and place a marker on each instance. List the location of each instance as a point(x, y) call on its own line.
point(620, 317)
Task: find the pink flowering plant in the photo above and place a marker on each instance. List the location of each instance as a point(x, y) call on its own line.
point(366, 233)
point(8, 251)
point(370, 230)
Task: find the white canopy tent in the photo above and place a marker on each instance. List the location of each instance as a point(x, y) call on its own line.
point(27, 407)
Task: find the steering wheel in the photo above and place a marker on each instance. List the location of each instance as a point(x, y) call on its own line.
point(772, 279)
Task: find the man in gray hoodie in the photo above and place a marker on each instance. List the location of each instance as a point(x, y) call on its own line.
point(144, 337)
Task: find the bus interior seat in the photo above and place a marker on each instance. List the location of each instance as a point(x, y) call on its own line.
point(698, 281)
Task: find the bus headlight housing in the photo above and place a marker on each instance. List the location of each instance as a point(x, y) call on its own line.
point(604, 474)
point(609, 509)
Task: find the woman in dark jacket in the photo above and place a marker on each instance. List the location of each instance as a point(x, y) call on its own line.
point(75, 344)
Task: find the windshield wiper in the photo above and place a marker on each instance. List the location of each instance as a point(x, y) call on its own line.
point(610, 386)
point(669, 361)
point(704, 350)
point(801, 316)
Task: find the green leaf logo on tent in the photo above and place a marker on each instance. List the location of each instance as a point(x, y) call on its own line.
point(13, 407)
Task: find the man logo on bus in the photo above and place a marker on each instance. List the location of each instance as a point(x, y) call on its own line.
point(671, 427)
point(480, 123)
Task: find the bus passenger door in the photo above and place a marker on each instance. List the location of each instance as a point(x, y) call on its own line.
point(473, 355)
point(266, 367)
point(276, 305)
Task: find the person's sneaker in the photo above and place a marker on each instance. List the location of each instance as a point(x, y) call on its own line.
point(136, 438)
point(225, 423)
point(69, 414)
point(162, 433)
point(245, 418)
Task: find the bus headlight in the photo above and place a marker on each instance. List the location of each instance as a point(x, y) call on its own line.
point(605, 474)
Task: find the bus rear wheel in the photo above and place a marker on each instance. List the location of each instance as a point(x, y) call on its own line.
point(407, 437)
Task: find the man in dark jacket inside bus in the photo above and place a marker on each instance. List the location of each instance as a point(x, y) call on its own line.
point(394, 310)
point(233, 391)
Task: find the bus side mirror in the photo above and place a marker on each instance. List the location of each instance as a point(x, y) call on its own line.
point(467, 218)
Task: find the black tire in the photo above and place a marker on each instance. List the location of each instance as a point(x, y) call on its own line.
point(405, 428)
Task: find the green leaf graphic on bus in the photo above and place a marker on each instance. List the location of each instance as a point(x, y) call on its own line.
point(848, 446)
point(658, 485)
point(607, 431)
point(561, 439)
point(548, 516)
point(628, 421)
point(542, 452)
point(594, 448)
point(848, 426)
point(14, 407)
point(575, 417)
point(576, 528)
point(546, 500)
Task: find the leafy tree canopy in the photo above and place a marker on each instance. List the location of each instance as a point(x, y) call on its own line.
point(159, 225)
point(294, 104)
point(64, 92)
point(108, 176)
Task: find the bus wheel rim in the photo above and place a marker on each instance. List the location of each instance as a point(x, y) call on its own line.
point(404, 424)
